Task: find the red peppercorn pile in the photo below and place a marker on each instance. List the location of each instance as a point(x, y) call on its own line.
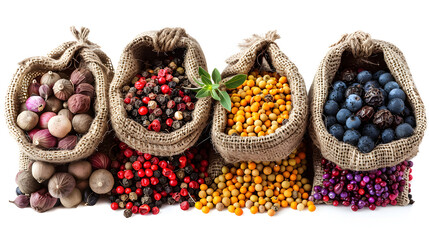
point(143, 183)
point(359, 189)
point(158, 99)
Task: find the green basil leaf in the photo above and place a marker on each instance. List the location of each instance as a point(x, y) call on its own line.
point(216, 76)
point(236, 81)
point(225, 100)
point(203, 72)
point(204, 92)
point(214, 94)
point(206, 80)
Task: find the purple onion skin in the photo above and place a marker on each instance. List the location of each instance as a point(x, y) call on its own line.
point(370, 189)
point(21, 201)
point(35, 104)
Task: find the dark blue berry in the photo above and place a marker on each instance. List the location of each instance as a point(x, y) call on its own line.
point(385, 78)
point(18, 191)
point(337, 131)
point(339, 85)
point(390, 85)
point(353, 122)
point(364, 77)
point(397, 93)
point(351, 137)
point(406, 112)
point(396, 106)
point(370, 84)
point(342, 115)
point(365, 144)
point(377, 75)
point(382, 108)
point(336, 95)
point(385, 95)
point(404, 130)
point(371, 131)
point(331, 107)
point(387, 135)
point(353, 102)
point(329, 121)
point(411, 120)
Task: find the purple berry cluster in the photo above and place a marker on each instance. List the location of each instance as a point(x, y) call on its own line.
point(360, 189)
point(365, 109)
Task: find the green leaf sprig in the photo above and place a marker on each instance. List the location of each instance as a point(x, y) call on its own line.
point(211, 86)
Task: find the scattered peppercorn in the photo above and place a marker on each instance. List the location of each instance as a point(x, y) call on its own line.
point(259, 186)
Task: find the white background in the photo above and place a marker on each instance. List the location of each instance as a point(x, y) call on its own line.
point(307, 30)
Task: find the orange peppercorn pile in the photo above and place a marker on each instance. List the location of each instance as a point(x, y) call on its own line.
point(260, 186)
point(260, 105)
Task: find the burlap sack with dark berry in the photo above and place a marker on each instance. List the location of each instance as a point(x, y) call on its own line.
point(262, 52)
point(146, 46)
point(358, 50)
point(402, 199)
point(65, 58)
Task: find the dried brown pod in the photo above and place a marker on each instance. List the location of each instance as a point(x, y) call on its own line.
point(383, 119)
point(81, 170)
point(79, 103)
point(348, 75)
point(374, 97)
point(66, 113)
point(81, 75)
point(357, 89)
point(27, 183)
point(366, 113)
point(63, 89)
point(86, 89)
point(27, 120)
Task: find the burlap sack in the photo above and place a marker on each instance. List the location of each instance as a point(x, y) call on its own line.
point(64, 58)
point(402, 199)
point(145, 47)
point(359, 50)
point(286, 138)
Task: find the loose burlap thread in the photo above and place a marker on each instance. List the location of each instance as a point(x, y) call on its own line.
point(84, 53)
point(145, 47)
point(274, 146)
point(345, 155)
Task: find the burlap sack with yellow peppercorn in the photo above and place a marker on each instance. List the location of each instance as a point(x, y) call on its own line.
point(64, 59)
point(262, 52)
point(147, 46)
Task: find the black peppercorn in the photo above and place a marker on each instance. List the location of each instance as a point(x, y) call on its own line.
point(157, 112)
point(157, 89)
point(374, 97)
point(147, 191)
point(152, 117)
point(157, 173)
point(158, 204)
point(170, 201)
point(133, 196)
point(146, 200)
point(191, 202)
point(172, 84)
point(124, 197)
point(147, 90)
point(160, 99)
point(180, 174)
point(126, 183)
point(188, 169)
point(129, 108)
point(177, 124)
point(163, 180)
point(137, 203)
point(138, 104)
point(158, 188)
point(133, 158)
point(268, 98)
point(187, 116)
point(146, 123)
point(128, 213)
point(121, 204)
point(383, 119)
point(168, 189)
point(397, 120)
point(194, 176)
point(112, 198)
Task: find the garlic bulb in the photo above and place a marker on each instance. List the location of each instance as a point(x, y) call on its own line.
point(42, 171)
point(101, 181)
point(27, 120)
point(63, 89)
point(42, 201)
point(73, 199)
point(81, 170)
point(50, 78)
point(61, 185)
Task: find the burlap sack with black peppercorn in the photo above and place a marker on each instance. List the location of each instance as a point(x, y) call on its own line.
point(65, 58)
point(146, 46)
point(358, 50)
point(262, 52)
